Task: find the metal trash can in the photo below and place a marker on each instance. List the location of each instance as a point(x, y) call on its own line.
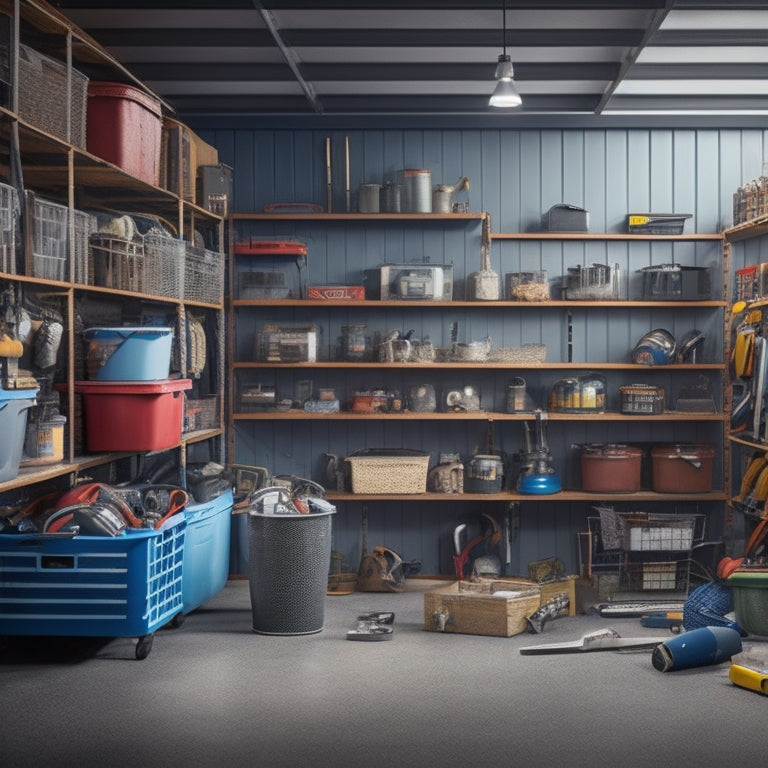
point(289, 557)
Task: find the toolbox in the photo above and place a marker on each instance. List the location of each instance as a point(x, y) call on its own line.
point(566, 218)
point(642, 399)
point(415, 282)
point(657, 223)
point(673, 282)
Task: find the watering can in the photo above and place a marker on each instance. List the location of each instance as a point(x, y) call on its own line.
point(443, 194)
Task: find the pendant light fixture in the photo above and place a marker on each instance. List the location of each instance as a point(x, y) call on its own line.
point(505, 94)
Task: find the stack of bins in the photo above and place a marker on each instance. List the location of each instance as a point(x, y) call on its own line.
point(129, 401)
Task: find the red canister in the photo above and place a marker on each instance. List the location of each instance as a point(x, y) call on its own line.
point(610, 468)
point(682, 468)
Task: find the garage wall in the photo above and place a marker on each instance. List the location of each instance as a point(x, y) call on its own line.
point(515, 175)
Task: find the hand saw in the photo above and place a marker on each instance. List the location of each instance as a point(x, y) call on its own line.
point(600, 640)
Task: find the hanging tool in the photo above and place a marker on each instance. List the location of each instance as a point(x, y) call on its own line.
point(600, 640)
point(328, 175)
point(347, 187)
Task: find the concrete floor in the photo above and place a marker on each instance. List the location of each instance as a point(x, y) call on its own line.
point(214, 693)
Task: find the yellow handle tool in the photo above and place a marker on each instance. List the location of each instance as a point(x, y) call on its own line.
point(745, 677)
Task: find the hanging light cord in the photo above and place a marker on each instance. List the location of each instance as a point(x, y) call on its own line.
point(504, 26)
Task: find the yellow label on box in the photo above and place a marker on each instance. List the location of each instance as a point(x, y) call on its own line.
point(638, 221)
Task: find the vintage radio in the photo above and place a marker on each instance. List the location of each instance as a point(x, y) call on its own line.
point(275, 344)
point(257, 397)
point(418, 282)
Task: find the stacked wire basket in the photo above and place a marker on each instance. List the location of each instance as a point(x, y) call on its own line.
point(90, 249)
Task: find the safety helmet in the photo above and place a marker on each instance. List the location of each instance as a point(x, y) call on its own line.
point(657, 347)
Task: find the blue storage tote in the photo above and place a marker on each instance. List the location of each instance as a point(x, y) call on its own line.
point(98, 586)
point(206, 549)
point(128, 353)
point(14, 404)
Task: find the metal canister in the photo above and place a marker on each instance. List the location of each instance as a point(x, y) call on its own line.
point(516, 400)
point(353, 342)
point(391, 197)
point(368, 198)
point(417, 183)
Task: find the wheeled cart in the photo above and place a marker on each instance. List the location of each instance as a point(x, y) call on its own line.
point(98, 586)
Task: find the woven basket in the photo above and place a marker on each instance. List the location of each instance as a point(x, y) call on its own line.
point(389, 472)
point(528, 353)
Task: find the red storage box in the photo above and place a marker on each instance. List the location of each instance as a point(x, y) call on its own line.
point(124, 128)
point(130, 416)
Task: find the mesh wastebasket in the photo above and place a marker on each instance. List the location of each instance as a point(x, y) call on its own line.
point(289, 557)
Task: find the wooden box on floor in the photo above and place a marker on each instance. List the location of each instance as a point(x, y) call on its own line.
point(491, 607)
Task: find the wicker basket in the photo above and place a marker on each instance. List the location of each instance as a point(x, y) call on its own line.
point(528, 353)
point(382, 471)
point(497, 607)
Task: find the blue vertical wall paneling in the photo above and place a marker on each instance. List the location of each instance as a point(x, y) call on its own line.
point(515, 175)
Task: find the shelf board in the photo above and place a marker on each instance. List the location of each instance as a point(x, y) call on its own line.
point(758, 446)
point(748, 229)
point(492, 366)
point(299, 415)
point(528, 305)
point(563, 496)
point(378, 217)
point(601, 236)
point(38, 474)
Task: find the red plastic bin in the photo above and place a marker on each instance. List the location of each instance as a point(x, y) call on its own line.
point(130, 416)
point(124, 128)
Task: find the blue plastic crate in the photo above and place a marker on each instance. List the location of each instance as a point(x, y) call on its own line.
point(97, 586)
point(206, 549)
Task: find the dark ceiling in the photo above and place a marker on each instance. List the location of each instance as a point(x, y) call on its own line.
point(341, 57)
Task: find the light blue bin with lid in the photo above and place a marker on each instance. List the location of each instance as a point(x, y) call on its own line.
point(128, 353)
point(14, 404)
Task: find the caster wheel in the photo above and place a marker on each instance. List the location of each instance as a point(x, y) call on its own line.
point(144, 646)
point(175, 622)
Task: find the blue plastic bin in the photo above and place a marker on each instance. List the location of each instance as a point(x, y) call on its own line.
point(98, 586)
point(128, 353)
point(14, 404)
point(206, 549)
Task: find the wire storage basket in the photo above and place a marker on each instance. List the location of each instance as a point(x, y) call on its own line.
point(9, 223)
point(203, 275)
point(43, 97)
point(85, 225)
point(138, 254)
point(49, 227)
point(118, 263)
point(164, 263)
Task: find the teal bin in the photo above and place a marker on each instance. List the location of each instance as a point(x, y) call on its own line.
point(14, 404)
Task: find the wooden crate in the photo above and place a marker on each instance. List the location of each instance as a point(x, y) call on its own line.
point(476, 608)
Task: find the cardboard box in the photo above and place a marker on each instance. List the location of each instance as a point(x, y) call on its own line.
point(492, 607)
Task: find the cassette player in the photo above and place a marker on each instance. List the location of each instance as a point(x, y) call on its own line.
point(278, 344)
point(416, 282)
